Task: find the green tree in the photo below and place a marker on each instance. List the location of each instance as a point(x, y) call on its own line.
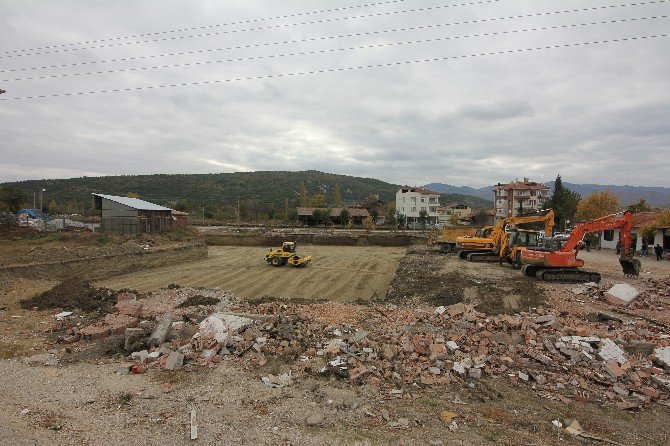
point(520, 210)
point(453, 220)
point(563, 202)
point(390, 214)
point(303, 199)
point(319, 201)
point(423, 218)
point(640, 206)
point(133, 195)
point(53, 206)
point(399, 218)
point(597, 205)
point(12, 199)
point(337, 196)
point(292, 215)
point(344, 216)
point(183, 205)
point(321, 215)
point(481, 218)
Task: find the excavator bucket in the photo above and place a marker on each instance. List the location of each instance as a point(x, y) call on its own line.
point(631, 267)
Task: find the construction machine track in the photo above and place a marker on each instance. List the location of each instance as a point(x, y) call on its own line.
point(569, 275)
point(483, 257)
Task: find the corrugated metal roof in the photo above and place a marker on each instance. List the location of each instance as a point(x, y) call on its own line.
point(134, 203)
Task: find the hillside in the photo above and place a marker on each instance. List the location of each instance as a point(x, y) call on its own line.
point(257, 191)
point(655, 196)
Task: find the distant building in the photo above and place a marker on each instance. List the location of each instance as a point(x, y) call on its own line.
point(610, 237)
point(410, 201)
point(180, 219)
point(356, 215)
point(507, 197)
point(131, 215)
point(462, 211)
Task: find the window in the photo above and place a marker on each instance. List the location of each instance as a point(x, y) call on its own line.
point(432, 200)
point(403, 199)
point(532, 202)
point(413, 199)
point(532, 193)
point(423, 200)
point(423, 208)
point(433, 209)
point(608, 235)
point(414, 209)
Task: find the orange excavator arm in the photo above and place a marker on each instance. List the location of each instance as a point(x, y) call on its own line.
point(624, 223)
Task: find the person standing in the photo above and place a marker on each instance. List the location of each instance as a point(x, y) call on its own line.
point(658, 250)
point(645, 246)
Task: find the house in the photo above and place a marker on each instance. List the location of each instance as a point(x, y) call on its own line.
point(180, 219)
point(131, 215)
point(462, 211)
point(529, 194)
point(410, 201)
point(356, 215)
point(610, 238)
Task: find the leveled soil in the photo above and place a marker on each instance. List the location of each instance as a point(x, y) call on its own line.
point(339, 273)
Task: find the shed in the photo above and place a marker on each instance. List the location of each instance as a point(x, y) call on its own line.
point(131, 215)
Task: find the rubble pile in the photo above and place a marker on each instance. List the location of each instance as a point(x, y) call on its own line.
point(560, 356)
point(563, 356)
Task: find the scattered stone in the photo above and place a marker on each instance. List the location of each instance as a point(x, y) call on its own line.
point(315, 419)
point(134, 339)
point(174, 361)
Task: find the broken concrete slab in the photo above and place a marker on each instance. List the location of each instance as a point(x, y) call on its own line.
point(609, 351)
point(622, 294)
point(174, 361)
point(662, 356)
point(160, 333)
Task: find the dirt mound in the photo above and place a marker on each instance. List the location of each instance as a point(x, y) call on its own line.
point(73, 293)
point(194, 301)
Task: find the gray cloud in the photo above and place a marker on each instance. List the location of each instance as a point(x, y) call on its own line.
point(596, 114)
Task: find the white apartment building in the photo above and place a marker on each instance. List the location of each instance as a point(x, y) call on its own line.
point(506, 197)
point(410, 201)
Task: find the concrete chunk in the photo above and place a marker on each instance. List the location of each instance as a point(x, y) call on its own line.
point(160, 333)
point(609, 351)
point(622, 294)
point(663, 356)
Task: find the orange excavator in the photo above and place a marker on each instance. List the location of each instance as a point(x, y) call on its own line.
point(562, 265)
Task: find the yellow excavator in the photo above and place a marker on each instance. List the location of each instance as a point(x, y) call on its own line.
point(286, 254)
point(504, 243)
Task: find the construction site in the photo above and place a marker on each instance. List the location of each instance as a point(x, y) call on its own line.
point(354, 338)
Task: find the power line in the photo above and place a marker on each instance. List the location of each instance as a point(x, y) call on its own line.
point(340, 69)
point(334, 50)
point(288, 25)
point(313, 39)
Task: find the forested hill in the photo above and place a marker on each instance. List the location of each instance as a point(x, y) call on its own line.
point(257, 191)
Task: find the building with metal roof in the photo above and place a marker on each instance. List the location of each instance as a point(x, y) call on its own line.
point(126, 215)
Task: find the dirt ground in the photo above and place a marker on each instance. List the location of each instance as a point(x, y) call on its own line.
point(84, 401)
point(338, 273)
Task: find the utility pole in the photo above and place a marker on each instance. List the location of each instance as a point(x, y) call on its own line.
point(238, 212)
point(41, 199)
point(34, 202)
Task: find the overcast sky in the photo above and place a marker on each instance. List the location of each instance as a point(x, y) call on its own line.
point(593, 113)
